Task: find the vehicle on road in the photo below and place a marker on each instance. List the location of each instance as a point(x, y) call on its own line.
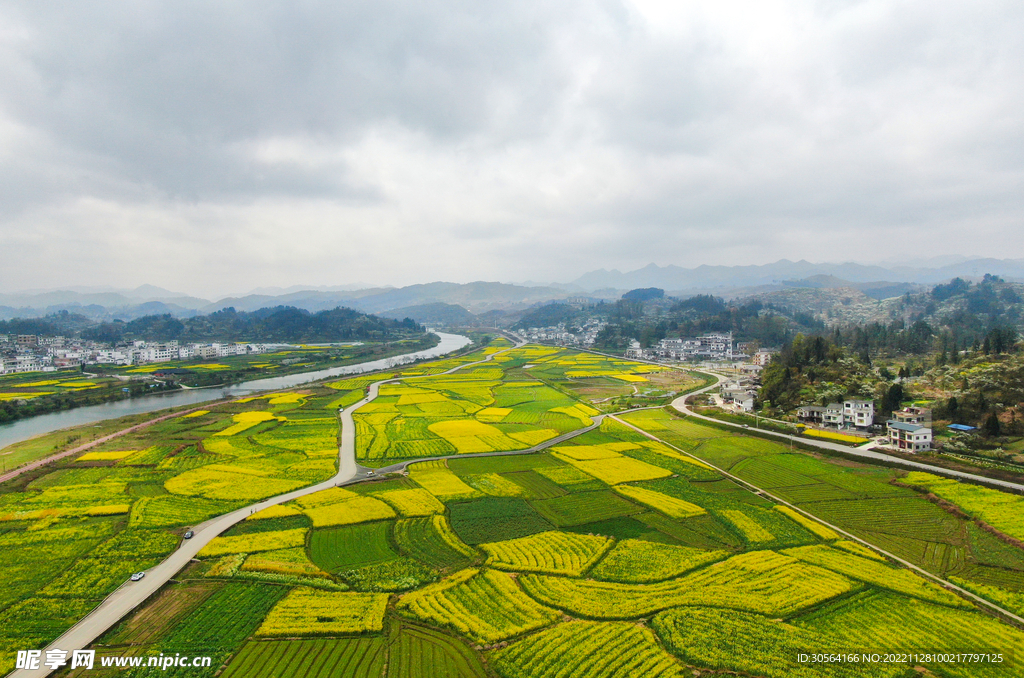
point(189, 534)
point(138, 575)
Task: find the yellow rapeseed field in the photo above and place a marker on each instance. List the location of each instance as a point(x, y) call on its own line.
point(246, 420)
point(258, 541)
point(109, 509)
point(614, 470)
point(812, 525)
point(414, 502)
point(751, 530)
point(552, 552)
point(485, 605)
point(275, 511)
point(670, 506)
point(293, 561)
point(587, 452)
point(435, 477)
point(310, 612)
point(829, 435)
point(493, 414)
point(226, 483)
point(106, 456)
point(338, 506)
point(496, 485)
point(531, 438)
point(760, 581)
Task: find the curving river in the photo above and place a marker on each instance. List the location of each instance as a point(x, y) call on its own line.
point(24, 429)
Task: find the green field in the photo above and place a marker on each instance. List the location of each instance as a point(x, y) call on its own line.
point(609, 555)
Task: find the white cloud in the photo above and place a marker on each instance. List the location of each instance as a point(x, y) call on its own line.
point(223, 147)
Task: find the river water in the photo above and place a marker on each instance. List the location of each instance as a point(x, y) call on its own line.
point(24, 429)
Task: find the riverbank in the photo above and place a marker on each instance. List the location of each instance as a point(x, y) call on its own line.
point(30, 439)
point(113, 384)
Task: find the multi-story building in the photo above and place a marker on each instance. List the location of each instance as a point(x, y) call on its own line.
point(858, 413)
point(833, 415)
point(909, 437)
point(205, 351)
point(921, 416)
point(714, 346)
point(812, 414)
point(762, 357)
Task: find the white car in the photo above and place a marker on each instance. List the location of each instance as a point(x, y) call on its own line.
point(138, 575)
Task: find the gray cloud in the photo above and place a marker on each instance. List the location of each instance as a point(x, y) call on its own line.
point(274, 143)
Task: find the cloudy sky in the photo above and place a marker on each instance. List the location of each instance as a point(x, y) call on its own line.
point(212, 147)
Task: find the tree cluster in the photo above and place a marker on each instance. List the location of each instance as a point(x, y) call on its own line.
point(279, 324)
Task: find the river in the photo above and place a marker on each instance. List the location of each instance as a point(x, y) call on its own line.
point(23, 429)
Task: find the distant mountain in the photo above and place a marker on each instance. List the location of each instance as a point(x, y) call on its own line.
point(124, 304)
point(707, 278)
point(436, 314)
point(277, 291)
point(477, 297)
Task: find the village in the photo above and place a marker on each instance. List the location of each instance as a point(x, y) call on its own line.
point(31, 353)
point(908, 430)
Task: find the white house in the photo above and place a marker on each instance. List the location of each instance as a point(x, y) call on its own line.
point(858, 413)
point(911, 437)
point(833, 415)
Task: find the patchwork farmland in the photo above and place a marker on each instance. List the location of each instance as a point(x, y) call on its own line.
point(608, 554)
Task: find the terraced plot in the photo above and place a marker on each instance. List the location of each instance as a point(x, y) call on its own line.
point(760, 581)
point(636, 561)
point(319, 658)
point(549, 552)
point(584, 507)
point(309, 612)
point(419, 652)
point(433, 542)
point(338, 549)
point(496, 519)
point(485, 606)
point(588, 650)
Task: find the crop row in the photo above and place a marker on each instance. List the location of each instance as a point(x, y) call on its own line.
point(551, 552)
point(760, 581)
point(485, 606)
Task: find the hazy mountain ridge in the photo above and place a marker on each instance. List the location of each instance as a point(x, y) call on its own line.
point(731, 282)
point(705, 277)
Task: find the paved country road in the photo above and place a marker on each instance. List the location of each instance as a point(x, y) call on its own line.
point(132, 594)
point(681, 405)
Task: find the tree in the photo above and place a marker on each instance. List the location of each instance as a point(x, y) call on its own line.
point(892, 400)
point(992, 425)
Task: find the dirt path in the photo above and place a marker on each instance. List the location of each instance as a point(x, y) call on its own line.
point(99, 441)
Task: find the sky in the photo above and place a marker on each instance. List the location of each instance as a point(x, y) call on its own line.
point(214, 147)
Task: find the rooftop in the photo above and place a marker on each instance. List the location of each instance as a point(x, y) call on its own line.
point(900, 426)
